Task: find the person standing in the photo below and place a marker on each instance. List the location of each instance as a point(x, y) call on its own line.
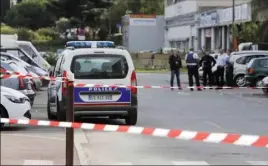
point(221, 63)
point(207, 62)
point(192, 65)
point(229, 70)
point(175, 65)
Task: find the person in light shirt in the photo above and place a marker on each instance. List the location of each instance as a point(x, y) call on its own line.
point(221, 63)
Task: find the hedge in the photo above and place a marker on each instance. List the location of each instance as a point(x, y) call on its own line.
point(7, 29)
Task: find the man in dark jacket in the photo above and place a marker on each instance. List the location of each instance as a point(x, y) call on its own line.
point(207, 62)
point(229, 70)
point(175, 65)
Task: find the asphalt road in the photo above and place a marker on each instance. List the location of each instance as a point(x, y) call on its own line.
point(241, 111)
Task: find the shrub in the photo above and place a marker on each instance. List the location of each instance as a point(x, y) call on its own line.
point(7, 29)
point(25, 34)
point(48, 33)
point(51, 58)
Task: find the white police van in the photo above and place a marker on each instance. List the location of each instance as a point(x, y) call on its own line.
point(94, 62)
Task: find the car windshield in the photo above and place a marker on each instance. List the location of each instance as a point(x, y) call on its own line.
point(99, 67)
point(18, 68)
point(6, 66)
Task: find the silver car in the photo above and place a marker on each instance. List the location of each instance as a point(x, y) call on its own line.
point(9, 57)
point(24, 85)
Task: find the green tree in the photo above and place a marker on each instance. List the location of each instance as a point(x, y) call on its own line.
point(152, 7)
point(249, 32)
point(32, 14)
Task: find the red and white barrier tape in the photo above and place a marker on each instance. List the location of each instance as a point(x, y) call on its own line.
point(220, 138)
point(160, 87)
point(18, 75)
point(10, 74)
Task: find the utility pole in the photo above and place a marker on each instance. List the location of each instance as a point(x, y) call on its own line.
point(233, 24)
point(70, 118)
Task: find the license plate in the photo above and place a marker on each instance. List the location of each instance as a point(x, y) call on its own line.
point(100, 97)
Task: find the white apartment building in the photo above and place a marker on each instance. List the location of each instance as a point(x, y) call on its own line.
point(215, 26)
point(182, 21)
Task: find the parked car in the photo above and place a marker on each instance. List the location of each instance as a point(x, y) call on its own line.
point(256, 70)
point(14, 104)
point(265, 84)
point(33, 70)
point(23, 85)
point(235, 55)
point(240, 66)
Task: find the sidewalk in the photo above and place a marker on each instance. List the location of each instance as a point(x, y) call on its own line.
point(21, 150)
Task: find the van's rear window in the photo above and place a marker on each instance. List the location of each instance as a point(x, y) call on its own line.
point(99, 67)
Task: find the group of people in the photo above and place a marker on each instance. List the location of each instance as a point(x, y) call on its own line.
point(193, 62)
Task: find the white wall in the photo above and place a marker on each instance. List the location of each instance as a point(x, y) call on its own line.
point(180, 8)
point(179, 33)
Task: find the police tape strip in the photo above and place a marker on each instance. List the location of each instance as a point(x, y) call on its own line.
point(220, 138)
point(18, 75)
point(10, 74)
point(161, 87)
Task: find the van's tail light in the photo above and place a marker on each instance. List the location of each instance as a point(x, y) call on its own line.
point(134, 89)
point(250, 71)
point(64, 83)
point(21, 84)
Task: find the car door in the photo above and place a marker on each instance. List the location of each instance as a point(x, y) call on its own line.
point(55, 85)
point(52, 86)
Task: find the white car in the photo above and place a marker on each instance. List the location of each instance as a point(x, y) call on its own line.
point(14, 104)
point(265, 84)
point(105, 66)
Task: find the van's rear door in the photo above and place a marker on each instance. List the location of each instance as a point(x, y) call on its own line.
point(106, 69)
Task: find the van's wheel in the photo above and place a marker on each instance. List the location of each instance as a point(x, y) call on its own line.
point(2, 115)
point(61, 114)
point(50, 116)
point(132, 117)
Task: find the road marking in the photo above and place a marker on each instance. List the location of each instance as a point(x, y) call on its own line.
point(214, 124)
point(80, 138)
point(189, 163)
point(40, 137)
point(258, 162)
point(184, 93)
point(122, 163)
point(38, 162)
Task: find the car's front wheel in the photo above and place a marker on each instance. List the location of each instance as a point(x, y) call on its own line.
point(2, 115)
point(132, 117)
point(61, 114)
point(50, 116)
